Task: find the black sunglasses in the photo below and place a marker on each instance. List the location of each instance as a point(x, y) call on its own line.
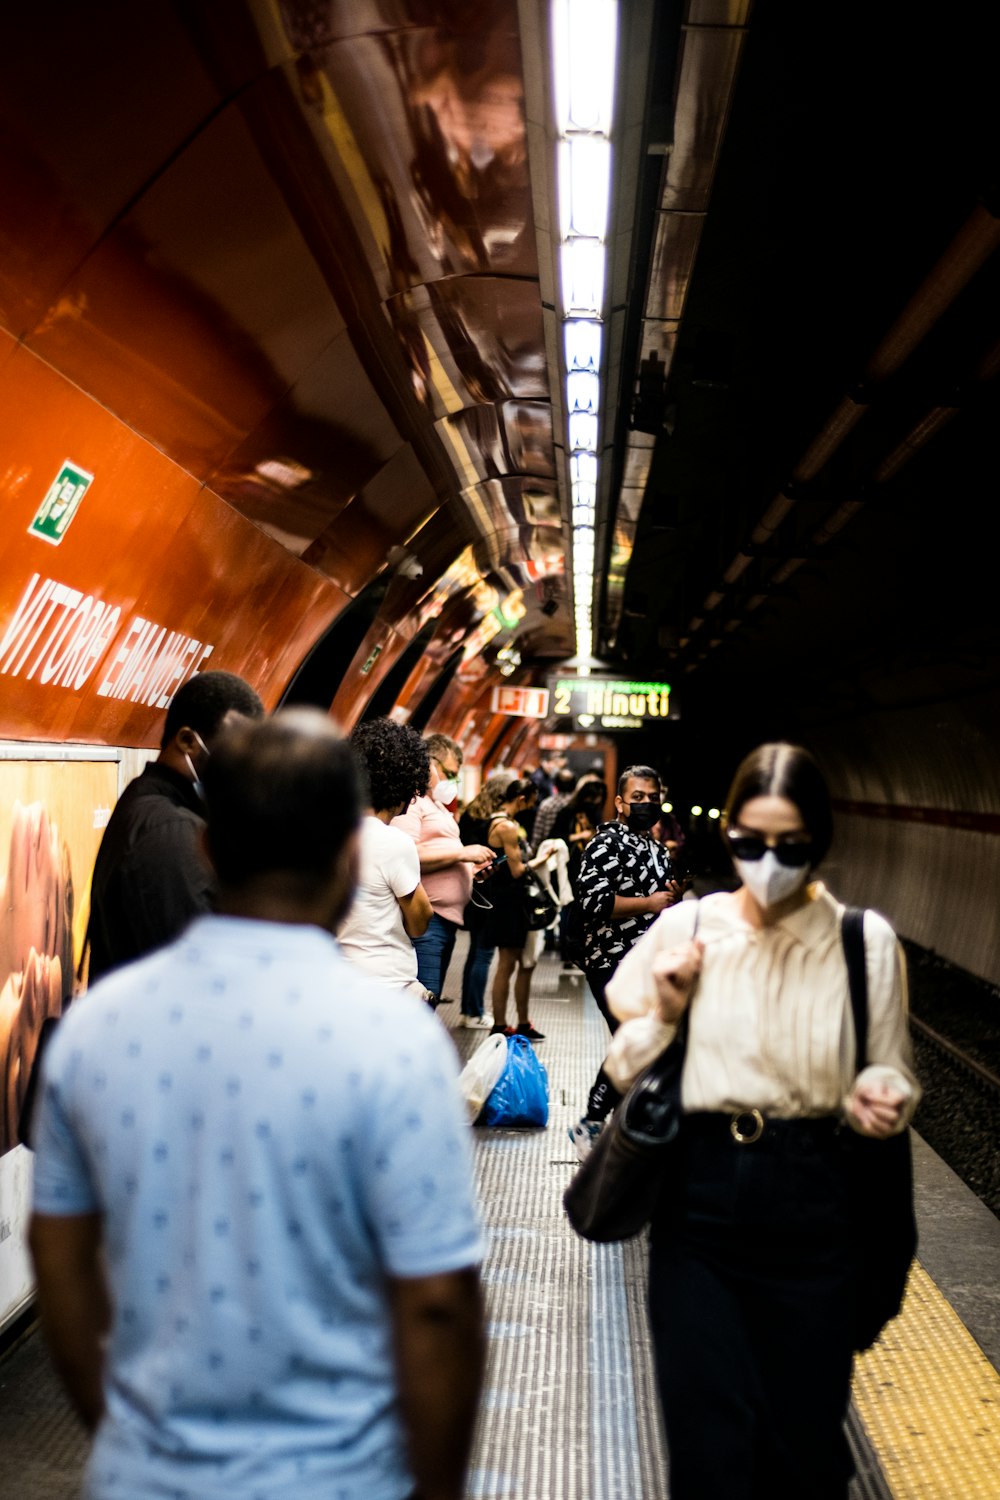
point(751, 846)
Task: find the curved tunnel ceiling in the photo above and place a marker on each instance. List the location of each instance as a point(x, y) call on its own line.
point(281, 282)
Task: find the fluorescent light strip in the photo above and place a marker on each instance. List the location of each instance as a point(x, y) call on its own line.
point(584, 35)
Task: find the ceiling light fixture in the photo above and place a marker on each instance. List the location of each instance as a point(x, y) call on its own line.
point(584, 42)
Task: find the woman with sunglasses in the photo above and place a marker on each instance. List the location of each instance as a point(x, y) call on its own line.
point(751, 1270)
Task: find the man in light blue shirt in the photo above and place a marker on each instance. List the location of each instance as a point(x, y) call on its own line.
point(255, 1235)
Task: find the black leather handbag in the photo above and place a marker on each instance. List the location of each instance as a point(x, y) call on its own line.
point(615, 1191)
point(879, 1182)
point(538, 904)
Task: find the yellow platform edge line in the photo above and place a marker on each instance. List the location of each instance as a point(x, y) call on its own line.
point(930, 1402)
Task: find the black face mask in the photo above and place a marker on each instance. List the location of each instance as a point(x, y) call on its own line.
point(643, 816)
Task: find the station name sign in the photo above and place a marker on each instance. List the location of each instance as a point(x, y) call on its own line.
point(597, 703)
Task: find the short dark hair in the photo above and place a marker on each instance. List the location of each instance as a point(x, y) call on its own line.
point(394, 760)
point(640, 773)
point(202, 703)
point(440, 744)
point(283, 794)
point(782, 770)
point(565, 780)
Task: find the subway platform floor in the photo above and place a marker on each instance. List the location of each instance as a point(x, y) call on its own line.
point(569, 1409)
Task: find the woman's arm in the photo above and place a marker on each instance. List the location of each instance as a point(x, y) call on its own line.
point(635, 988)
point(884, 1094)
point(506, 833)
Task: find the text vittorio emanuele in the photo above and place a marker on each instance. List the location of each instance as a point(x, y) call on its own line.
point(59, 636)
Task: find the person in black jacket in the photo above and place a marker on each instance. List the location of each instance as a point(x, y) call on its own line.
point(151, 876)
point(625, 881)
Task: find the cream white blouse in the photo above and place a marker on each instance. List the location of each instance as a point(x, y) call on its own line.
point(770, 1020)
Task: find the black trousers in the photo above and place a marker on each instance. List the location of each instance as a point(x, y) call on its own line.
point(751, 1292)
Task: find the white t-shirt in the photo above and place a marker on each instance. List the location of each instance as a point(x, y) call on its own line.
point(372, 934)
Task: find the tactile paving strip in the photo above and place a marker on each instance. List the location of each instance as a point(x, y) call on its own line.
point(930, 1402)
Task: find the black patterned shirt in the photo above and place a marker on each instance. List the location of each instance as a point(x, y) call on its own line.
point(617, 862)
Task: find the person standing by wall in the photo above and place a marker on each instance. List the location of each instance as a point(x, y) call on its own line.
point(253, 1282)
point(623, 884)
point(446, 864)
point(390, 907)
point(151, 876)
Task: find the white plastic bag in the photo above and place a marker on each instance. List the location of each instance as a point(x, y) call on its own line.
point(481, 1073)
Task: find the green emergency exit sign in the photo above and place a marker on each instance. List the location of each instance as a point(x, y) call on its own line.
point(61, 503)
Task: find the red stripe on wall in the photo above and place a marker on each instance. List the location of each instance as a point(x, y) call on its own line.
point(940, 817)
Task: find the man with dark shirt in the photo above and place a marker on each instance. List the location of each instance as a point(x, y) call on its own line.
point(151, 876)
point(625, 881)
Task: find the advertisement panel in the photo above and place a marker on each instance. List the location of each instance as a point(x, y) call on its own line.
point(52, 815)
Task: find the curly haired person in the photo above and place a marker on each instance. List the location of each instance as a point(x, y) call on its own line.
point(390, 905)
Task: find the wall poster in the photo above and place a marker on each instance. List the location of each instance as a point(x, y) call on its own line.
point(52, 815)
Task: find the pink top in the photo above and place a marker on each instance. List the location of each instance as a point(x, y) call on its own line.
point(435, 833)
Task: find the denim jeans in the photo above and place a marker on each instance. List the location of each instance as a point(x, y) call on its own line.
point(475, 975)
point(434, 952)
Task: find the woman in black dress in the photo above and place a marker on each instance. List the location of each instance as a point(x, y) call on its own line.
point(505, 925)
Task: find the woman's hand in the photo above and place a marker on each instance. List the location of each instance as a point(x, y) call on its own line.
point(875, 1109)
point(675, 974)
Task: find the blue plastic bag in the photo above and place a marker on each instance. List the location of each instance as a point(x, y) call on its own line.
point(521, 1094)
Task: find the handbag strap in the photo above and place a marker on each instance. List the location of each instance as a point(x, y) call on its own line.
point(683, 1025)
point(852, 932)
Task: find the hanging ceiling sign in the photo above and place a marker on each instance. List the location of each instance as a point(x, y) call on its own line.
point(521, 702)
point(598, 703)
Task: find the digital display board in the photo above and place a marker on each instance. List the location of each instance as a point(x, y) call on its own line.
point(608, 703)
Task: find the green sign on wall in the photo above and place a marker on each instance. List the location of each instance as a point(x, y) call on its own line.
point(61, 503)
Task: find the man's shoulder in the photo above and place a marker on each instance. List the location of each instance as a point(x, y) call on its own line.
point(381, 837)
point(151, 801)
point(608, 836)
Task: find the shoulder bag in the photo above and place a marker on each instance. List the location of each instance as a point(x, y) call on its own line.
point(615, 1191)
point(879, 1181)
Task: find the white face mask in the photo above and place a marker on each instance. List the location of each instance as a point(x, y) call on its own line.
point(768, 881)
point(445, 792)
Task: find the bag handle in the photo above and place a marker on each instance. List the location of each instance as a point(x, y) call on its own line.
point(852, 932)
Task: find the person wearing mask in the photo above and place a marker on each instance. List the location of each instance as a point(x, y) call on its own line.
point(505, 924)
point(752, 1262)
point(390, 906)
point(623, 884)
point(253, 1281)
point(446, 864)
point(151, 875)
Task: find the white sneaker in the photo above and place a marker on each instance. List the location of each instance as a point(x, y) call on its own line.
point(584, 1135)
point(476, 1023)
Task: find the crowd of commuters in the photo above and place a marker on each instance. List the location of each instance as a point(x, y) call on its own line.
point(254, 1282)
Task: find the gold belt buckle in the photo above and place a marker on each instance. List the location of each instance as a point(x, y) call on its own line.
point(747, 1137)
